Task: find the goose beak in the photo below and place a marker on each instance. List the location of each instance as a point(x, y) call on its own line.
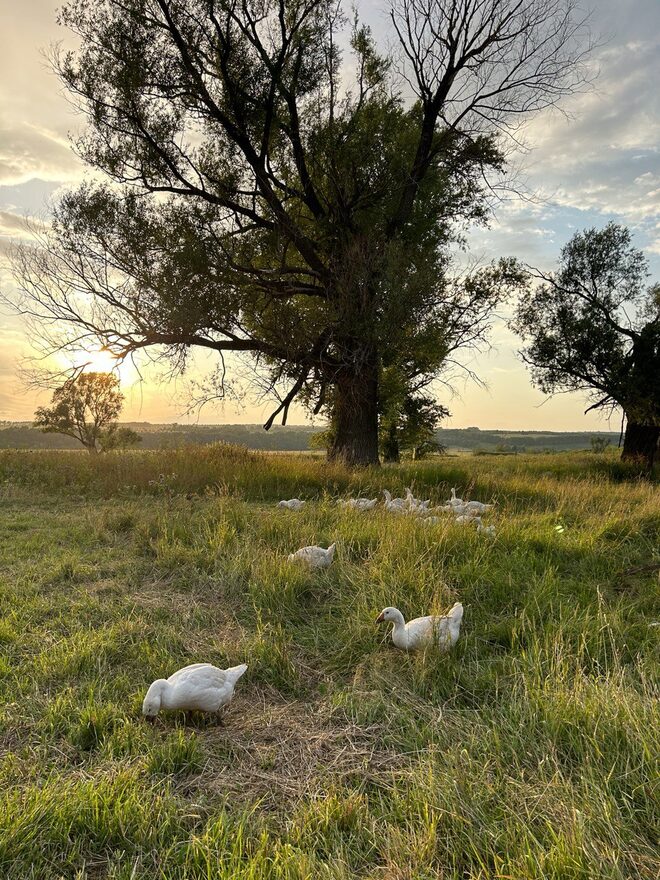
point(380, 618)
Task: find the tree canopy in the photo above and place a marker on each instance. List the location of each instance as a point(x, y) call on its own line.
point(266, 197)
point(594, 326)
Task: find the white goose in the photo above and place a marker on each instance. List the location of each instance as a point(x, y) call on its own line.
point(291, 504)
point(454, 501)
point(478, 506)
point(422, 632)
point(410, 499)
point(394, 505)
point(485, 530)
point(314, 557)
point(358, 503)
point(416, 505)
point(199, 686)
point(466, 518)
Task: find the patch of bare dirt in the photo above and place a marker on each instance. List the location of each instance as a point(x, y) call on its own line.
point(282, 752)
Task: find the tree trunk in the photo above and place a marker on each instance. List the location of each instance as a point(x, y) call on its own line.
point(391, 450)
point(641, 443)
point(355, 415)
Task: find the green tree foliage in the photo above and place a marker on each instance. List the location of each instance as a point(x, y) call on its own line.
point(267, 198)
point(408, 419)
point(594, 326)
point(87, 408)
point(119, 437)
point(412, 427)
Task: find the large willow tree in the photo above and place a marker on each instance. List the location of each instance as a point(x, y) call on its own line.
point(276, 186)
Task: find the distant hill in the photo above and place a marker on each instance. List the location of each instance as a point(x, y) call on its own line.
point(21, 435)
point(474, 439)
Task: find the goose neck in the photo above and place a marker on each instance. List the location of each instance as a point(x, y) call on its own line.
point(162, 688)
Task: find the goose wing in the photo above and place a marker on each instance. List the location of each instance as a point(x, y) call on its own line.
point(443, 631)
point(198, 673)
point(419, 632)
point(447, 628)
point(200, 686)
point(311, 555)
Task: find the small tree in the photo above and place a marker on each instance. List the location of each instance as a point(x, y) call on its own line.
point(594, 326)
point(409, 425)
point(85, 408)
point(599, 444)
point(116, 438)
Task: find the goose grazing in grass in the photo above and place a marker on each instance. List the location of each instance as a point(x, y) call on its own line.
point(291, 504)
point(314, 557)
point(200, 686)
point(485, 530)
point(466, 518)
point(432, 520)
point(394, 505)
point(359, 503)
point(478, 507)
point(424, 631)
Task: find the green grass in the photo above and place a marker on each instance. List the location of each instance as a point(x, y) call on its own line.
point(531, 751)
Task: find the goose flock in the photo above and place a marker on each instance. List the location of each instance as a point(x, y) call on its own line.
point(206, 688)
point(464, 512)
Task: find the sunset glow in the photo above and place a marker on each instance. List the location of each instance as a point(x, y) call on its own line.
point(103, 361)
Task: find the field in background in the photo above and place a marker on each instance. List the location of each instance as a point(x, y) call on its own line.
point(295, 438)
point(531, 751)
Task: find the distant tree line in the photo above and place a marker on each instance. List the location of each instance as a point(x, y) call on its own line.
point(295, 438)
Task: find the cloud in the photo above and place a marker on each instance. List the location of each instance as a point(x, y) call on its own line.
point(604, 156)
point(17, 226)
point(29, 198)
point(602, 161)
point(28, 151)
point(34, 115)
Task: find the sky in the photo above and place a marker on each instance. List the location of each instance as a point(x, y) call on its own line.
point(600, 163)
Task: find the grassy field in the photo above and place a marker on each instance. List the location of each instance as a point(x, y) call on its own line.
point(531, 751)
